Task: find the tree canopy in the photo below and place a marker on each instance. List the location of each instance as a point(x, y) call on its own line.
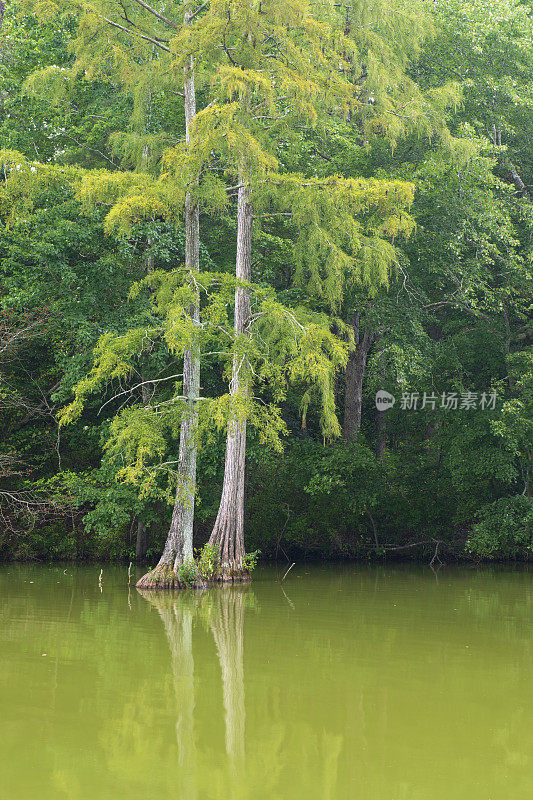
point(382, 155)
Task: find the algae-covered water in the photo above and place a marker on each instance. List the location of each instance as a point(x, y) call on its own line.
point(390, 683)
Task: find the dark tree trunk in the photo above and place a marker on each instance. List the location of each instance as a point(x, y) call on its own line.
point(140, 541)
point(381, 433)
point(228, 531)
point(381, 423)
point(355, 373)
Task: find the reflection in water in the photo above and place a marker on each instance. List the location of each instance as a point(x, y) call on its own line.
point(227, 627)
point(177, 613)
point(222, 610)
point(344, 683)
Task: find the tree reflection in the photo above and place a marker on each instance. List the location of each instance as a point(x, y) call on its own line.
point(227, 622)
point(177, 614)
point(221, 610)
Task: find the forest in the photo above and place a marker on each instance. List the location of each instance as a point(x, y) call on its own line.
point(265, 282)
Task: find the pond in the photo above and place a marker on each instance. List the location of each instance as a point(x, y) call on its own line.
point(341, 682)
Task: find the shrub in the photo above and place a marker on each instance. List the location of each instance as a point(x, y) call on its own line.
point(208, 557)
point(188, 572)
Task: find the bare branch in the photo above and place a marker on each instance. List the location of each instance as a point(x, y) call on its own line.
point(198, 11)
point(138, 386)
point(159, 16)
point(134, 33)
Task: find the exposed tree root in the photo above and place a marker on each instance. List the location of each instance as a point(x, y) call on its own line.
point(228, 574)
point(163, 577)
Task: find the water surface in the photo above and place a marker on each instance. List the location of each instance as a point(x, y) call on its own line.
point(339, 683)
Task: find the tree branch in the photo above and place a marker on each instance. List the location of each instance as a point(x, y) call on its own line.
point(134, 33)
point(159, 16)
point(198, 11)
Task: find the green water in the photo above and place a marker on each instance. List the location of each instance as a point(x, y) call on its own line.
point(352, 682)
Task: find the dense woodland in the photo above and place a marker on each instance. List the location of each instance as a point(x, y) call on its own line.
point(224, 227)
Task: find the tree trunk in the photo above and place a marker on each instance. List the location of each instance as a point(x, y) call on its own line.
point(140, 541)
point(381, 433)
point(381, 423)
point(521, 189)
point(355, 373)
point(179, 544)
point(228, 532)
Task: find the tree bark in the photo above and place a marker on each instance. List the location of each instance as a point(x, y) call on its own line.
point(355, 373)
point(179, 544)
point(228, 532)
point(381, 433)
point(521, 189)
point(381, 424)
point(140, 541)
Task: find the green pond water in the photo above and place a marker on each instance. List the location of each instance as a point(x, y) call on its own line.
point(389, 683)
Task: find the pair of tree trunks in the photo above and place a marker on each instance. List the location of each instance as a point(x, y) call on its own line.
point(228, 531)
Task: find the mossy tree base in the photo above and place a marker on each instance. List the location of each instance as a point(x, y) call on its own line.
point(232, 575)
point(160, 577)
point(163, 577)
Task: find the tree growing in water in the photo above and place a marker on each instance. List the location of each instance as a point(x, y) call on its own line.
point(131, 47)
point(300, 69)
point(276, 68)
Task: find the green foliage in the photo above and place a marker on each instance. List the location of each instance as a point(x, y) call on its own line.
point(208, 558)
point(189, 572)
point(504, 529)
point(346, 230)
point(388, 149)
point(251, 559)
point(515, 424)
point(286, 348)
point(63, 119)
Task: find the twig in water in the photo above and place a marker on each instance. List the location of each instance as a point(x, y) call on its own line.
point(291, 566)
point(436, 555)
point(289, 601)
point(129, 574)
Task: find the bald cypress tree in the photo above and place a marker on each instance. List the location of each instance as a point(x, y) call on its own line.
point(132, 44)
point(276, 67)
point(267, 69)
